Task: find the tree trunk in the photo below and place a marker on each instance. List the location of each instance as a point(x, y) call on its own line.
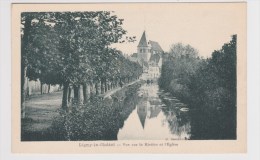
point(96, 86)
point(102, 86)
point(27, 88)
point(91, 90)
point(99, 89)
point(85, 95)
point(105, 85)
point(49, 88)
point(76, 94)
point(69, 94)
point(112, 84)
point(41, 87)
point(116, 82)
point(65, 96)
point(108, 85)
point(24, 61)
point(79, 95)
point(23, 91)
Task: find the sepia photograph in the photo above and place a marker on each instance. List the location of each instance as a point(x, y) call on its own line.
point(112, 75)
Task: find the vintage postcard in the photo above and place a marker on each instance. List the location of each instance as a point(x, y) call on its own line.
point(129, 78)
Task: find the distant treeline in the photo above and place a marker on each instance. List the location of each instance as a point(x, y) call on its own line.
point(207, 86)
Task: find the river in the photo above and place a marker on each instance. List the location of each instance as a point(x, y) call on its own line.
point(157, 116)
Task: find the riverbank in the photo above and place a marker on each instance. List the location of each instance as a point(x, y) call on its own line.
point(41, 110)
point(113, 91)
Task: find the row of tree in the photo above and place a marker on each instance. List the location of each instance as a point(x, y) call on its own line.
point(208, 86)
point(73, 49)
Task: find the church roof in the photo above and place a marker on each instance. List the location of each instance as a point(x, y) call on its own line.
point(143, 41)
point(156, 46)
point(155, 58)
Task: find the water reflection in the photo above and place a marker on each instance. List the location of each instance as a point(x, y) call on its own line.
point(157, 116)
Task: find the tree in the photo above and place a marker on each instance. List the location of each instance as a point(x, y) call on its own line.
point(177, 69)
point(207, 86)
point(31, 22)
point(68, 48)
point(179, 50)
point(215, 88)
point(84, 37)
point(44, 54)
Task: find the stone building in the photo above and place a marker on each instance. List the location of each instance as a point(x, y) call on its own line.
point(149, 56)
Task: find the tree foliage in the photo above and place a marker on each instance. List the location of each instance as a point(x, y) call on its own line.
point(73, 47)
point(209, 88)
point(179, 50)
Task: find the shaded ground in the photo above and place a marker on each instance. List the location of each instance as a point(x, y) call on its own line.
point(40, 110)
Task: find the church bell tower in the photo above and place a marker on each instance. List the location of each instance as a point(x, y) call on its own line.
point(143, 49)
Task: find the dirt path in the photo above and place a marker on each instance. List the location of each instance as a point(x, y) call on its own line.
point(40, 110)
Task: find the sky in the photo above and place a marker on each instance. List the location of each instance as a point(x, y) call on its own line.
point(206, 26)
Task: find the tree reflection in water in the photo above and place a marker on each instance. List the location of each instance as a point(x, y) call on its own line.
point(155, 118)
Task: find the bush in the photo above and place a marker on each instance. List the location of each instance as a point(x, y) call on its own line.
point(97, 120)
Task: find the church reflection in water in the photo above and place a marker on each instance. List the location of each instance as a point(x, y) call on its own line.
point(155, 119)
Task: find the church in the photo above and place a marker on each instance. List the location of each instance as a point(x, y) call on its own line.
point(149, 56)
